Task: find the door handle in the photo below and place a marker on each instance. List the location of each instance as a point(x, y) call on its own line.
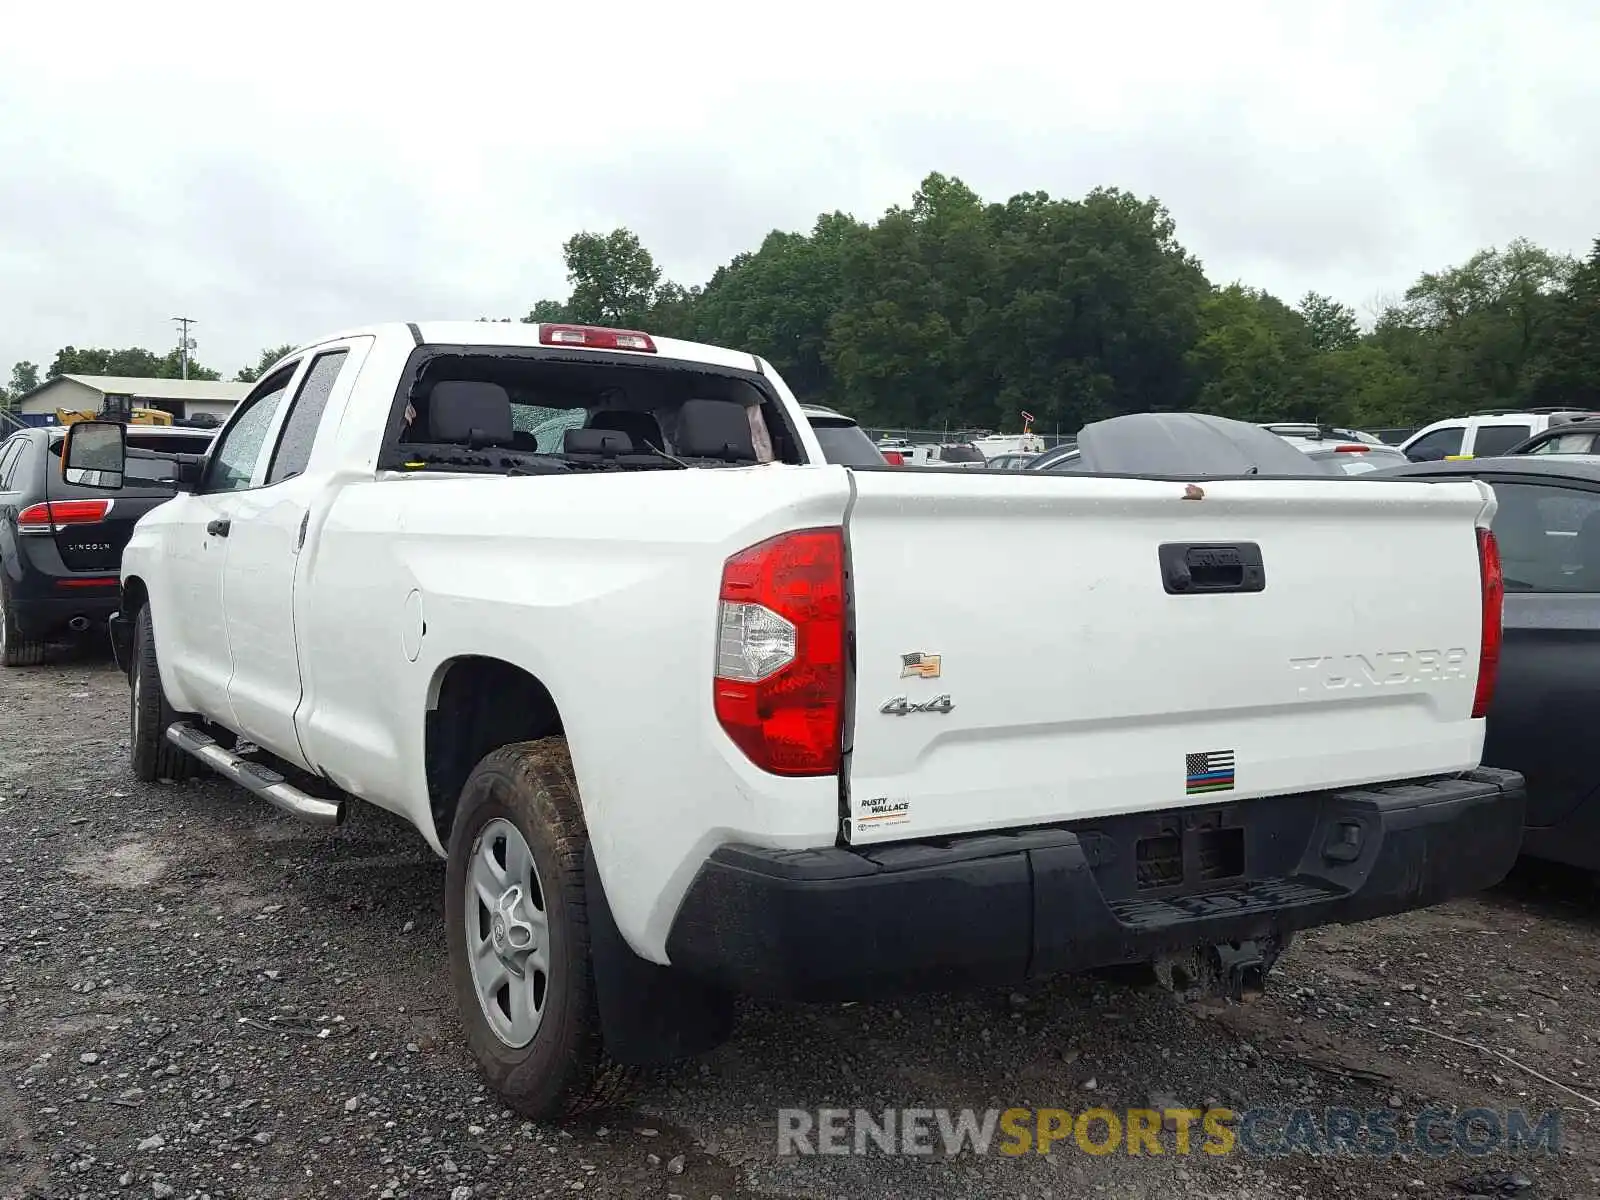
point(219, 527)
point(1200, 568)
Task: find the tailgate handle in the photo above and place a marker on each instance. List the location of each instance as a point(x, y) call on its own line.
point(219, 527)
point(1200, 568)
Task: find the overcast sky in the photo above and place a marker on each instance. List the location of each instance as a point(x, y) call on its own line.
point(298, 168)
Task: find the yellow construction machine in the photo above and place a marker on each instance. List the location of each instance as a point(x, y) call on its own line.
point(117, 408)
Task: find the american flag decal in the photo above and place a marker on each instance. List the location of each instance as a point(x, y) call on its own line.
point(1208, 772)
point(922, 666)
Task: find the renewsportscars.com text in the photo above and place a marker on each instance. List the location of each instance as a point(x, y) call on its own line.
point(1270, 1132)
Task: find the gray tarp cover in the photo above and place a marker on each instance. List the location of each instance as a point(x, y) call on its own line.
point(1186, 444)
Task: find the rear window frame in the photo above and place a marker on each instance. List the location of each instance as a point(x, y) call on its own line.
point(392, 455)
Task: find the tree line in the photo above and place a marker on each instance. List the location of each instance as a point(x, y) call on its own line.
point(954, 312)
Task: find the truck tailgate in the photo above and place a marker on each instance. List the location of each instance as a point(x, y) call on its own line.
point(1026, 651)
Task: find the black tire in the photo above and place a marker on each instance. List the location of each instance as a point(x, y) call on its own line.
point(15, 650)
point(563, 1072)
point(149, 714)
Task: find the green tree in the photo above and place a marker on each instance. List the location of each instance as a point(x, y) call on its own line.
point(1252, 357)
point(24, 378)
point(1478, 329)
point(614, 279)
point(1569, 372)
point(778, 301)
point(912, 290)
point(133, 362)
point(672, 311)
point(1089, 312)
point(547, 311)
point(268, 356)
point(1329, 324)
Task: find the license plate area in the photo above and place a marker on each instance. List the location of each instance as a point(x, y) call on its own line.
point(1174, 853)
point(1189, 850)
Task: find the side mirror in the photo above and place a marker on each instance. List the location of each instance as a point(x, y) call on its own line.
point(95, 455)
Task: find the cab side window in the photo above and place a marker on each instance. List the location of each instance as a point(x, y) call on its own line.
point(1566, 443)
point(238, 449)
point(1436, 446)
point(1492, 440)
point(300, 428)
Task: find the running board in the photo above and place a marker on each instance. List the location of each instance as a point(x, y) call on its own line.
point(263, 781)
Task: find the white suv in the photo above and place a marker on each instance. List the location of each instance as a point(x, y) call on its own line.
point(1484, 434)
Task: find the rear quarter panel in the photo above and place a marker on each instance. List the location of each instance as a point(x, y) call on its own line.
point(603, 587)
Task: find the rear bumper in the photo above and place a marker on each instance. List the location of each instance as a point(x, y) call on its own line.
point(46, 598)
point(53, 616)
point(837, 923)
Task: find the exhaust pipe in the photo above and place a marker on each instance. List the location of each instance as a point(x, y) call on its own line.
point(262, 780)
point(78, 624)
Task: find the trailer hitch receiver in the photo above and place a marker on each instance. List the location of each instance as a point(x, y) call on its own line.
point(1230, 970)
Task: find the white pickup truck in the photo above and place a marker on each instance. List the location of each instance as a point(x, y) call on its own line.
point(687, 714)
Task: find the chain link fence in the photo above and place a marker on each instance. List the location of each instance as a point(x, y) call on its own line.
point(952, 434)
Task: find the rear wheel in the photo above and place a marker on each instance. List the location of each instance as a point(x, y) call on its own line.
point(15, 650)
point(149, 714)
point(518, 930)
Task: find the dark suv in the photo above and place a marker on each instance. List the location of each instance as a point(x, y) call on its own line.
point(61, 545)
point(843, 442)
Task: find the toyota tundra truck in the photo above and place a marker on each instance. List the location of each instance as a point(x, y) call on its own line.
point(688, 716)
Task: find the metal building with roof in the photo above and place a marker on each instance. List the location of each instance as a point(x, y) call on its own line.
point(185, 399)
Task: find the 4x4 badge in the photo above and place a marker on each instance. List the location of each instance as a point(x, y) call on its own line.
point(900, 706)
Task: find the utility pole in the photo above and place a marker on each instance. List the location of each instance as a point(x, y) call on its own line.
point(185, 342)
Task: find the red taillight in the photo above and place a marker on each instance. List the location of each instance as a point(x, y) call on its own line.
point(595, 337)
point(1494, 595)
point(50, 516)
point(894, 458)
point(101, 581)
point(780, 674)
point(1352, 449)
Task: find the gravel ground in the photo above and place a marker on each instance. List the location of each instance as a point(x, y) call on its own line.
point(199, 997)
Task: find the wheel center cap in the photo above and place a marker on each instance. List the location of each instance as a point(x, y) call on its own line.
point(510, 931)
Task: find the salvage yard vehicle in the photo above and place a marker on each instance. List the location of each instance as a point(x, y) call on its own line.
point(1547, 705)
point(1354, 458)
point(842, 440)
point(1576, 437)
point(61, 544)
point(1484, 434)
point(668, 694)
point(1198, 442)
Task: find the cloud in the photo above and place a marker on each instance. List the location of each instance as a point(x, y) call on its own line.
point(282, 174)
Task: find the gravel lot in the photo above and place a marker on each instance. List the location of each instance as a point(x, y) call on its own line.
point(200, 997)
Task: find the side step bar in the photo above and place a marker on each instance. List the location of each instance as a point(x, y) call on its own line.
point(263, 781)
